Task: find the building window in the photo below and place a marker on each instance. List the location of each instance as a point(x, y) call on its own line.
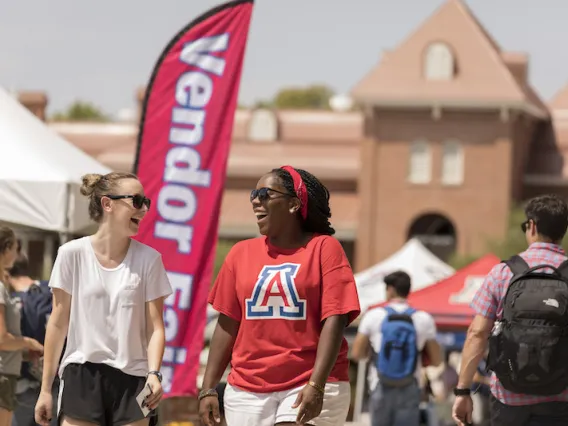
point(263, 126)
point(452, 163)
point(420, 167)
point(439, 62)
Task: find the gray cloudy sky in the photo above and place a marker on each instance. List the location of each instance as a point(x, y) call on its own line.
point(103, 50)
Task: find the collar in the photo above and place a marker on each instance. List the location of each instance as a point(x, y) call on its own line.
point(555, 248)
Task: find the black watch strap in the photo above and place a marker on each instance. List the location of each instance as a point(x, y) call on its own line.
point(462, 392)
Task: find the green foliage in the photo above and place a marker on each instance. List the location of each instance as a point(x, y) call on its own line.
point(81, 111)
point(312, 97)
point(223, 248)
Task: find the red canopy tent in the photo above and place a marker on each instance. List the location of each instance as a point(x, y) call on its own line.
point(448, 300)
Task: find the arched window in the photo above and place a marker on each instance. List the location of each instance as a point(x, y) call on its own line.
point(452, 163)
point(439, 62)
point(420, 167)
point(263, 126)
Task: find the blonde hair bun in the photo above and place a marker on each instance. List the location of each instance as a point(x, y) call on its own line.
point(90, 181)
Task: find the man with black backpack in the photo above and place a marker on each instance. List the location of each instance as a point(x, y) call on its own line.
point(522, 310)
point(394, 337)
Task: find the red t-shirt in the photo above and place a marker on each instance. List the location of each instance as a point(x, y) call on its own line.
point(280, 297)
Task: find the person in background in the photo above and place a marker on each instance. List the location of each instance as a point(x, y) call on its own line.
point(12, 343)
point(285, 300)
point(395, 401)
point(108, 301)
point(544, 228)
point(29, 382)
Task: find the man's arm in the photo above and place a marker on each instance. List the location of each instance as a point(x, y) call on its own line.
point(474, 349)
point(434, 352)
point(361, 349)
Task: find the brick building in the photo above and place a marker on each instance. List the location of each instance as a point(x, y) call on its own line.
point(450, 136)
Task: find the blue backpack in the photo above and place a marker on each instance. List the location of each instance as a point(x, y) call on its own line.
point(398, 356)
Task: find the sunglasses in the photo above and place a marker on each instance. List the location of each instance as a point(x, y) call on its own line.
point(525, 225)
point(263, 194)
point(137, 200)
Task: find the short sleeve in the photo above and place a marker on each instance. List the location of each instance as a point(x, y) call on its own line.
point(370, 322)
point(485, 302)
point(3, 293)
point(223, 296)
point(429, 327)
point(339, 293)
point(62, 272)
point(157, 282)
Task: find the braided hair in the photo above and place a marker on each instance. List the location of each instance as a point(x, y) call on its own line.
point(319, 213)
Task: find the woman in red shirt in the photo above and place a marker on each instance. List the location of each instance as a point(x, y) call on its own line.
point(284, 300)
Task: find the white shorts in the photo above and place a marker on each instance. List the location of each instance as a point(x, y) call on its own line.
point(267, 409)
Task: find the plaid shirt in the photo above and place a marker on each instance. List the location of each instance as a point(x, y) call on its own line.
point(488, 302)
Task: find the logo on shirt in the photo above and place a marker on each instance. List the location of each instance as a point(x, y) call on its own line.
point(275, 295)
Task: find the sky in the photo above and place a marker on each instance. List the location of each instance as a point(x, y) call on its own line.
point(102, 51)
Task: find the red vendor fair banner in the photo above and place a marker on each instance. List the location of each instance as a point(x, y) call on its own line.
point(183, 145)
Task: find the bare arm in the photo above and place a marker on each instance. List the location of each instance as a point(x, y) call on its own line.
point(434, 351)
point(361, 349)
point(55, 335)
point(474, 349)
point(9, 342)
point(220, 350)
point(156, 333)
point(328, 347)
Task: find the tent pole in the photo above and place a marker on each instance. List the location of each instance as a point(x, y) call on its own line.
point(359, 390)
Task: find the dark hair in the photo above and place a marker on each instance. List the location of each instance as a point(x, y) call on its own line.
point(400, 281)
point(319, 213)
point(95, 186)
point(21, 267)
point(550, 213)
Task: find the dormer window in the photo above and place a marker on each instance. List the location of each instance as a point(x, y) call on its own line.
point(439, 62)
point(263, 126)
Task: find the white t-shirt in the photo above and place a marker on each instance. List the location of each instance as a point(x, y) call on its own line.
point(371, 324)
point(107, 323)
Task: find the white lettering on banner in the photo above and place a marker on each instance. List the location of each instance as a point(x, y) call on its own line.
point(197, 53)
point(177, 202)
point(467, 293)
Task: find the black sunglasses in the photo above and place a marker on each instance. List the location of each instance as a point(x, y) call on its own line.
point(137, 200)
point(525, 225)
point(263, 194)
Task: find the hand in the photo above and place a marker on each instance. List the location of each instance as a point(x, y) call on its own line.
point(462, 411)
point(154, 398)
point(33, 345)
point(44, 408)
point(209, 410)
point(310, 401)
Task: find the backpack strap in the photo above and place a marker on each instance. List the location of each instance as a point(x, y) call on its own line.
point(409, 311)
point(563, 269)
point(517, 265)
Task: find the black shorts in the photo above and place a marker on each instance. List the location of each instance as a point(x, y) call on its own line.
point(100, 394)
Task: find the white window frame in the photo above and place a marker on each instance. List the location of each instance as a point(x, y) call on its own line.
point(453, 164)
point(420, 162)
point(439, 62)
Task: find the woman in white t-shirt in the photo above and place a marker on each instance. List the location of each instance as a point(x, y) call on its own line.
point(108, 299)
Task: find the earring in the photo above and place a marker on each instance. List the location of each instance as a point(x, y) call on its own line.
point(292, 211)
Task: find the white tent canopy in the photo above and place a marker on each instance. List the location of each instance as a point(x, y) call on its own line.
point(413, 258)
point(40, 173)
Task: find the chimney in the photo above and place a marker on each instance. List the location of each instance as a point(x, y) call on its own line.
point(36, 102)
point(140, 94)
point(518, 64)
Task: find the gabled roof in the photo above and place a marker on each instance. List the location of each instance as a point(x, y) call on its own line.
point(483, 77)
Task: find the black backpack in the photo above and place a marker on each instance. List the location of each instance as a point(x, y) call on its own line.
point(528, 347)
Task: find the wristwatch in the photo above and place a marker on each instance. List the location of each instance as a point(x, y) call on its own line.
point(155, 373)
point(462, 392)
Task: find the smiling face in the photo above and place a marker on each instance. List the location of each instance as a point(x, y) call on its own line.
point(122, 216)
point(275, 209)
